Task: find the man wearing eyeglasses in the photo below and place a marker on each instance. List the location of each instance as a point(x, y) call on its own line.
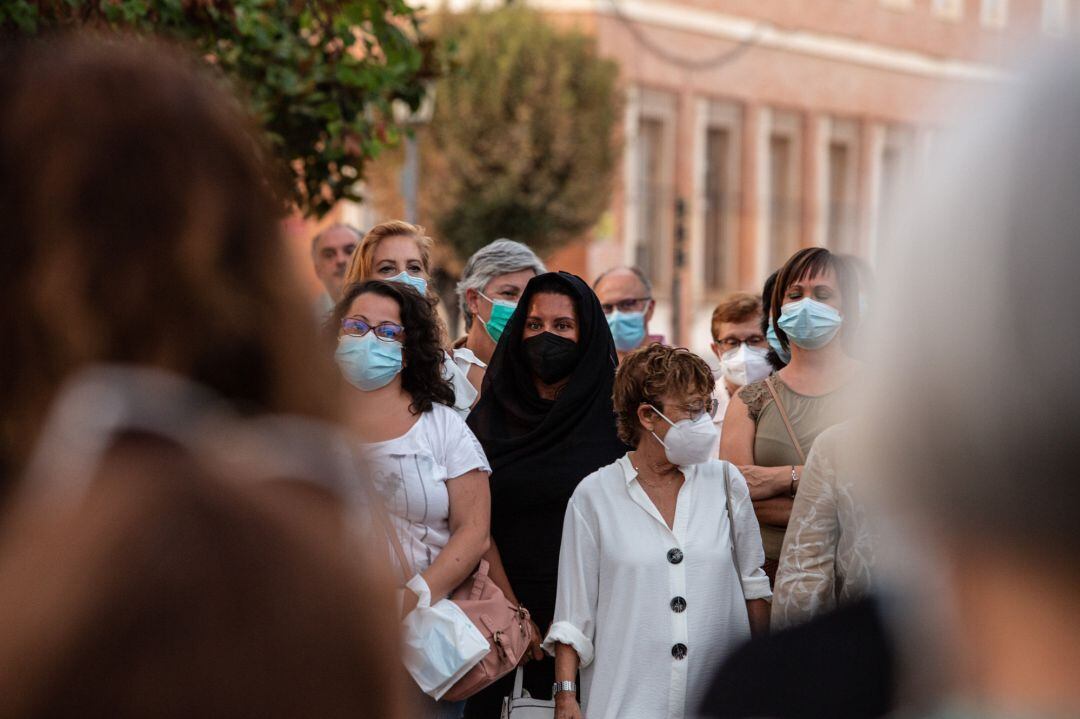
point(626, 297)
point(740, 346)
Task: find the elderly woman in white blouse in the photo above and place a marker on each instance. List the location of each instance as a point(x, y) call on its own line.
point(660, 568)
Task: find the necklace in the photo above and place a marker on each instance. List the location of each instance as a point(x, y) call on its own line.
point(653, 485)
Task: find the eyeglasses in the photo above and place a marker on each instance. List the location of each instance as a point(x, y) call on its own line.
point(696, 409)
point(732, 343)
point(385, 331)
point(628, 305)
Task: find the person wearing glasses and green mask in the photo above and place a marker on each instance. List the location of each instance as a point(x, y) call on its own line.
point(488, 291)
point(626, 297)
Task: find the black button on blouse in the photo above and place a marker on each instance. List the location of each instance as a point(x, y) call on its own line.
point(678, 605)
point(679, 651)
point(675, 555)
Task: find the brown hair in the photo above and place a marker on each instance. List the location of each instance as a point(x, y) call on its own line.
point(735, 309)
point(811, 262)
point(647, 374)
point(360, 268)
point(139, 228)
point(171, 593)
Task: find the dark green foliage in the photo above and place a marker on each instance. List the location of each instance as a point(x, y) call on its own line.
point(319, 76)
point(522, 142)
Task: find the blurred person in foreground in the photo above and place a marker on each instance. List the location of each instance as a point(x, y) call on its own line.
point(155, 334)
point(423, 459)
point(545, 421)
point(331, 251)
point(739, 346)
point(660, 568)
point(173, 592)
point(399, 251)
point(771, 424)
point(625, 295)
point(491, 284)
point(981, 462)
point(977, 468)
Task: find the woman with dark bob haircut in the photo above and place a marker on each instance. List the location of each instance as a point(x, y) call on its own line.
point(423, 459)
point(663, 540)
point(770, 425)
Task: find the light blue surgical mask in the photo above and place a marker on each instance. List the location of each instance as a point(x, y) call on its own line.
point(774, 342)
point(627, 329)
point(368, 362)
point(415, 281)
point(810, 324)
point(501, 310)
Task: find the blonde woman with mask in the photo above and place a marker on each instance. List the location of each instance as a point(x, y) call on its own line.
point(399, 251)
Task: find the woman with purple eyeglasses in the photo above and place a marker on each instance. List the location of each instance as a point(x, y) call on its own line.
point(423, 459)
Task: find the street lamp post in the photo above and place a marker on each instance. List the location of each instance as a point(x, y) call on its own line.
point(410, 173)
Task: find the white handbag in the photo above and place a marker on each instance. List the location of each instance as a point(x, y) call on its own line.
point(519, 705)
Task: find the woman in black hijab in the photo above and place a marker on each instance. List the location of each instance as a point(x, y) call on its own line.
point(545, 420)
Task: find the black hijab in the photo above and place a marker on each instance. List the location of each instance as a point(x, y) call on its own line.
point(541, 449)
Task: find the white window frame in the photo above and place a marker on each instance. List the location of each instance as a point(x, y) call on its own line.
point(947, 9)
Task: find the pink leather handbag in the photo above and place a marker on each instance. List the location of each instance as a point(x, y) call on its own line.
point(504, 626)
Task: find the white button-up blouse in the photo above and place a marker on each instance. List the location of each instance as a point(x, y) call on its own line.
point(652, 611)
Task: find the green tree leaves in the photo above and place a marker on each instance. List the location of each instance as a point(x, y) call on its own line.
point(522, 141)
point(318, 75)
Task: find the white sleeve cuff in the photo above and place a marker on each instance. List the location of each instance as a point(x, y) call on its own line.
point(757, 586)
point(567, 633)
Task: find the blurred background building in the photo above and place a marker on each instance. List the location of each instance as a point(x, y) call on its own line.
point(755, 127)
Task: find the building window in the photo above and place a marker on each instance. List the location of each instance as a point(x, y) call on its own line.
point(720, 204)
point(840, 187)
point(994, 13)
point(784, 187)
point(653, 193)
point(948, 9)
point(897, 4)
point(1055, 17)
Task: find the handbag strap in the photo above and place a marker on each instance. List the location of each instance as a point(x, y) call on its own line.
point(787, 421)
point(519, 682)
point(381, 516)
point(731, 530)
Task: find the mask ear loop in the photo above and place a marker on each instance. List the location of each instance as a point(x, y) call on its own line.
point(654, 409)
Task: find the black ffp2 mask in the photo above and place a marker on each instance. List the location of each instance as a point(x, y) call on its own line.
point(551, 357)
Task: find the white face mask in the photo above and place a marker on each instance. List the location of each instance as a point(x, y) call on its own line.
point(745, 365)
point(689, 441)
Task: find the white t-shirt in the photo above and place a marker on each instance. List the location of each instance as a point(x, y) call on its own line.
point(653, 610)
point(410, 473)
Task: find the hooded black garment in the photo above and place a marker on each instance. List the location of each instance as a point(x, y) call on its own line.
point(539, 451)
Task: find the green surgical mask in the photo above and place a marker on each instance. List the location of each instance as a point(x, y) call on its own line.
point(501, 310)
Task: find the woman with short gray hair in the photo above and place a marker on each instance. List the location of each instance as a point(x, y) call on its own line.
point(490, 286)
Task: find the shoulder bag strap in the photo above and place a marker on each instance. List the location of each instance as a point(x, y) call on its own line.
point(381, 517)
point(731, 528)
point(787, 422)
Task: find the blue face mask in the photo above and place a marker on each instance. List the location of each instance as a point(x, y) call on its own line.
point(810, 324)
point(414, 281)
point(627, 329)
point(367, 362)
point(774, 342)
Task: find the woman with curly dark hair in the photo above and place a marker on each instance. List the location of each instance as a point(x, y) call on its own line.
point(422, 457)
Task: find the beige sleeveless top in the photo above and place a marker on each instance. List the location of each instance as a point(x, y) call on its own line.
point(809, 415)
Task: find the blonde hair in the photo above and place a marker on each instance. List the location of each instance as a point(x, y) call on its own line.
point(360, 268)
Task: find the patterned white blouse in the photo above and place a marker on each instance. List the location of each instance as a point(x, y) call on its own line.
point(828, 555)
